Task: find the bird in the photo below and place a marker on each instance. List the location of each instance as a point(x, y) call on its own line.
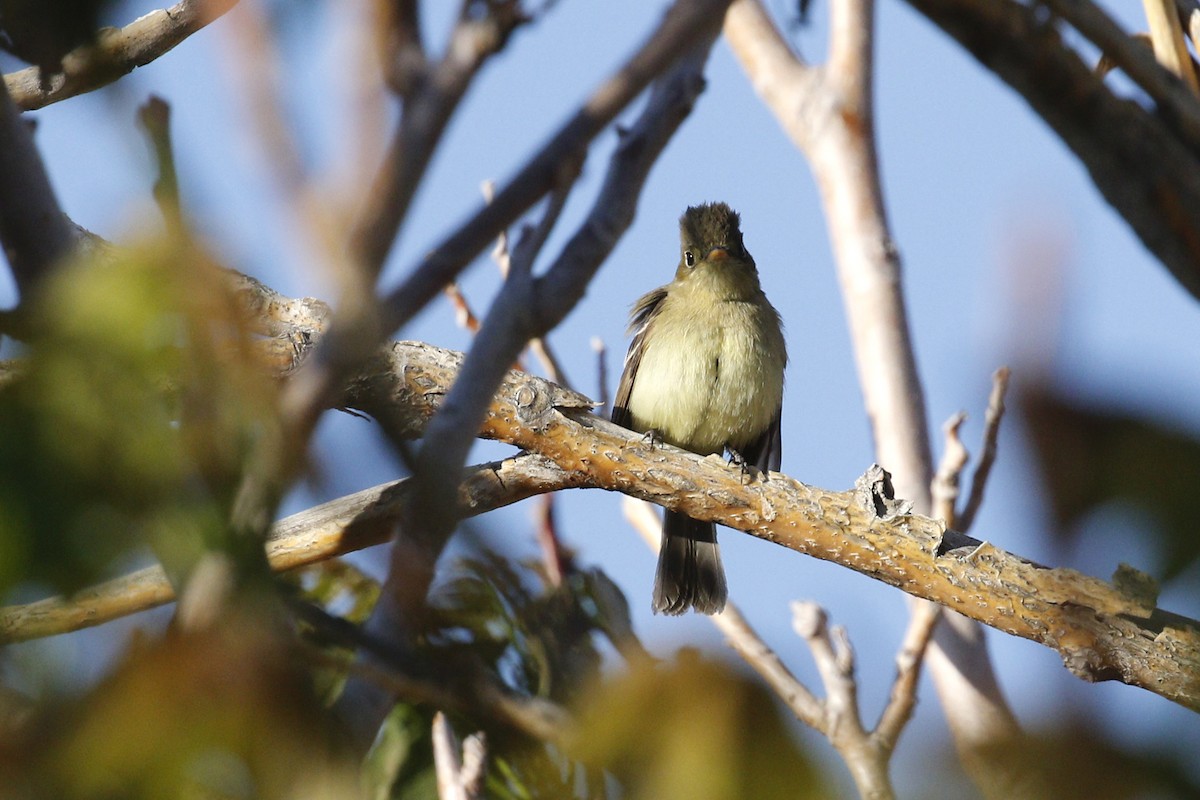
point(704, 372)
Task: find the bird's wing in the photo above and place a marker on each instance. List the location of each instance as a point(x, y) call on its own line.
point(644, 312)
point(766, 452)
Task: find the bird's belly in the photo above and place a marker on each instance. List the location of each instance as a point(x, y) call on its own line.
point(709, 387)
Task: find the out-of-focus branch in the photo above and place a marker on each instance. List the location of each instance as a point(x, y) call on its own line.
point(526, 308)
point(431, 93)
point(34, 232)
point(331, 529)
point(683, 25)
point(115, 53)
point(987, 456)
point(1166, 33)
point(1144, 162)
point(828, 113)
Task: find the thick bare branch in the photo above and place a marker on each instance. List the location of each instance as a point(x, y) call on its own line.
point(1101, 632)
point(1144, 163)
point(34, 231)
point(116, 53)
point(827, 112)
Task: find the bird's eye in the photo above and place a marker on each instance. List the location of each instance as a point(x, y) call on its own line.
point(689, 258)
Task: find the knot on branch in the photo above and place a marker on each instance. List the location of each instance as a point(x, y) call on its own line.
point(874, 492)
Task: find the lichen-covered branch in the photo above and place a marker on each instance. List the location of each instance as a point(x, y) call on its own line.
point(1101, 631)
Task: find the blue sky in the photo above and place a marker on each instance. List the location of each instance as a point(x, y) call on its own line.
point(973, 180)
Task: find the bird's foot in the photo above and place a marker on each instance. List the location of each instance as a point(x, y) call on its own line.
point(653, 437)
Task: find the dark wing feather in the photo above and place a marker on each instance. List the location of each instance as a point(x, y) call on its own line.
point(766, 452)
point(644, 312)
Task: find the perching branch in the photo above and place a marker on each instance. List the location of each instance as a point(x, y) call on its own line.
point(115, 53)
point(1101, 632)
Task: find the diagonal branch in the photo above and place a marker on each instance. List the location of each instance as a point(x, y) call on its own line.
point(349, 523)
point(1101, 631)
point(1145, 163)
point(34, 232)
point(683, 25)
point(526, 308)
point(115, 53)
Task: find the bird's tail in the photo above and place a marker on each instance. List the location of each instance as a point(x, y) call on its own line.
point(689, 571)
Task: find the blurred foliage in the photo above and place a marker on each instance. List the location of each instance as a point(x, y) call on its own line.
point(227, 712)
point(129, 421)
point(1090, 458)
point(1077, 762)
point(694, 730)
point(537, 639)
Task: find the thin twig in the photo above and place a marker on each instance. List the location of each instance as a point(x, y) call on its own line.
point(921, 624)
point(155, 118)
point(945, 486)
point(459, 767)
point(987, 456)
point(539, 345)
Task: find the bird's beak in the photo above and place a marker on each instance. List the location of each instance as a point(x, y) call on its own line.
point(718, 254)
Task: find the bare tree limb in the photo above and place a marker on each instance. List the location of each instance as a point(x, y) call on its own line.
point(827, 112)
point(1144, 163)
point(1166, 33)
point(340, 526)
point(1101, 632)
point(115, 53)
point(34, 231)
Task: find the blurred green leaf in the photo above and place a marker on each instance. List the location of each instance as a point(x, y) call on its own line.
point(693, 730)
point(400, 764)
point(1076, 762)
point(129, 421)
point(1089, 458)
point(227, 712)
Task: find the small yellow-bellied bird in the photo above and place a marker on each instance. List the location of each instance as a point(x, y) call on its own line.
point(704, 372)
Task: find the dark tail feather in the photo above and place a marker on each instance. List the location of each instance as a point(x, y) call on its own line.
point(689, 571)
